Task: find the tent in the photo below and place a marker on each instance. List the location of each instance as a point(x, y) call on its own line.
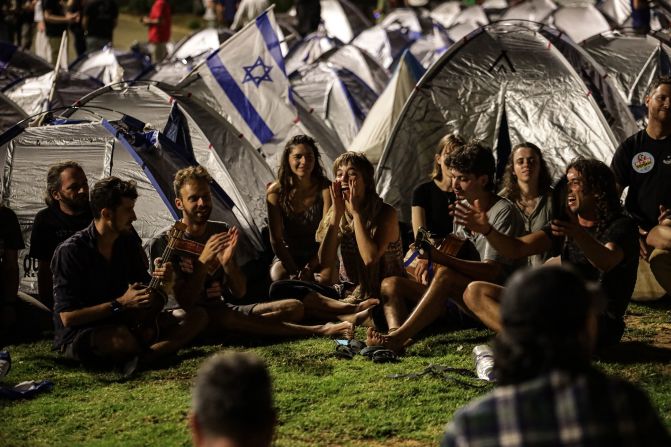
point(504, 84)
point(10, 113)
point(234, 165)
point(380, 121)
point(336, 95)
point(102, 148)
point(17, 64)
point(308, 50)
point(360, 63)
point(109, 65)
point(632, 61)
point(342, 19)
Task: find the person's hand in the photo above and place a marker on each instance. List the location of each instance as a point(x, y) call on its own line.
point(72, 17)
point(422, 272)
point(664, 216)
point(353, 202)
point(305, 274)
point(186, 264)
point(136, 296)
point(564, 228)
point(337, 201)
point(41, 27)
point(214, 291)
point(644, 249)
point(163, 271)
point(212, 247)
point(472, 217)
point(230, 243)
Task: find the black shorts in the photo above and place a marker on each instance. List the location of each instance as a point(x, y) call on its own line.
point(81, 348)
point(214, 304)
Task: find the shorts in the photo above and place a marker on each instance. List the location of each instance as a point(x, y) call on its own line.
point(81, 348)
point(245, 309)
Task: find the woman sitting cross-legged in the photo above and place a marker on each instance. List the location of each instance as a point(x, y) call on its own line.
point(296, 203)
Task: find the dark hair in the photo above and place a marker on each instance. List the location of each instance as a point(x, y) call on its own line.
point(598, 179)
point(190, 174)
point(108, 193)
point(510, 188)
point(232, 397)
point(659, 80)
point(474, 158)
point(544, 313)
point(451, 142)
point(286, 178)
point(54, 178)
point(361, 163)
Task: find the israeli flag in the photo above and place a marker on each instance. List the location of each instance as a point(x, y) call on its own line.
point(247, 77)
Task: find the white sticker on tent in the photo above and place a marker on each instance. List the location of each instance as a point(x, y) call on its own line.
point(643, 162)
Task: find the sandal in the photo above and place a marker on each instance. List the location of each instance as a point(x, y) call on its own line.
point(379, 354)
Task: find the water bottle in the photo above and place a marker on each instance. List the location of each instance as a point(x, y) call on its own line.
point(5, 363)
point(484, 362)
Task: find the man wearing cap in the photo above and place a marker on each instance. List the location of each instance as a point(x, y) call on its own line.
point(593, 235)
point(548, 393)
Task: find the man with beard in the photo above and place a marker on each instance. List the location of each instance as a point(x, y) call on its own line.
point(67, 211)
point(594, 236)
point(207, 275)
point(643, 163)
point(103, 310)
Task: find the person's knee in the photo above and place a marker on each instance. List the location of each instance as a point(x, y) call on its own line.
point(294, 310)
point(118, 341)
point(473, 296)
point(389, 287)
point(278, 272)
point(660, 265)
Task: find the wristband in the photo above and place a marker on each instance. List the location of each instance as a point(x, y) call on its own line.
point(117, 308)
point(491, 227)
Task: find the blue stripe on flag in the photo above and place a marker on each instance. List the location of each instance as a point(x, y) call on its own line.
point(270, 38)
point(238, 98)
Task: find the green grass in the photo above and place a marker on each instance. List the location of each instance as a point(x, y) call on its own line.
point(322, 401)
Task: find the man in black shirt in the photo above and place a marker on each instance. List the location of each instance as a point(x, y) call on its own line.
point(595, 237)
point(56, 20)
point(67, 211)
point(643, 163)
point(11, 242)
point(100, 19)
point(103, 309)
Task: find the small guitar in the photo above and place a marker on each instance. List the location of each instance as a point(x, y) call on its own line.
point(450, 245)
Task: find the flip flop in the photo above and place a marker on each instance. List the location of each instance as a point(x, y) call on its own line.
point(344, 352)
point(379, 354)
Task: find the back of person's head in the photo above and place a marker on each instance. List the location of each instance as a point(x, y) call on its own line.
point(474, 158)
point(54, 181)
point(446, 144)
point(548, 318)
point(190, 174)
point(109, 193)
point(232, 400)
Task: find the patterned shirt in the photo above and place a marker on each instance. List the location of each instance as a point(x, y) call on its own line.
point(558, 409)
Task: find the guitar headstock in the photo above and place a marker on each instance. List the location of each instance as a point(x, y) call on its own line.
point(177, 231)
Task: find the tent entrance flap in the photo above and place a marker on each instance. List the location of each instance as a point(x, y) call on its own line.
point(502, 144)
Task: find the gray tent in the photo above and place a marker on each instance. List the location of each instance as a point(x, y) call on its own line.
point(234, 165)
point(17, 64)
point(360, 63)
point(632, 61)
point(308, 50)
point(10, 113)
point(109, 65)
point(506, 83)
point(342, 19)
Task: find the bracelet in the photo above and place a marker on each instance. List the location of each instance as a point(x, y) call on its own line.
point(491, 227)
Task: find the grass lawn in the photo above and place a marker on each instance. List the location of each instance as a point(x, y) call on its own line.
point(322, 401)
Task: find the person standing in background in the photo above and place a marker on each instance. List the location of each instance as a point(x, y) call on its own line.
point(99, 21)
point(158, 34)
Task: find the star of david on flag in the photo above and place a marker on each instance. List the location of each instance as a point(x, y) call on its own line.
point(246, 75)
point(258, 67)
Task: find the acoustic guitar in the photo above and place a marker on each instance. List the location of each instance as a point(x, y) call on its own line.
point(451, 245)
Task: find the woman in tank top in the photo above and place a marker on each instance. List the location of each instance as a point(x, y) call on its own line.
point(296, 201)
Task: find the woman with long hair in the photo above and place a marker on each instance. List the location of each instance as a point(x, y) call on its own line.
point(527, 183)
point(363, 226)
point(431, 200)
point(296, 201)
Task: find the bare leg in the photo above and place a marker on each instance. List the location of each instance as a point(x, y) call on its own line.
point(395, 291)
point(230, 320)
point(483, 299)
point(278, 272)
point(318, 303)
point(116, 343)
point(280, 310)
point(447, 283)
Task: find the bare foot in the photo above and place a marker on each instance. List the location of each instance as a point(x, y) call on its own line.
point(344, 330)
point(375, 338)
point(367, 304)
point(363, 318)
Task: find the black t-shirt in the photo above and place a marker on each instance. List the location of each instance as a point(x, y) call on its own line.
point(101, 17)
point(10, 236)
point(618, 283)
point(184, 259)
point(54, 7)
point(84, 278)
point(644, 165)
point(51, 228)
point(435, 203)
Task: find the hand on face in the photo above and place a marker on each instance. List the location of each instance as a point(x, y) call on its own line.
point(337, 201)
point(353, 202)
